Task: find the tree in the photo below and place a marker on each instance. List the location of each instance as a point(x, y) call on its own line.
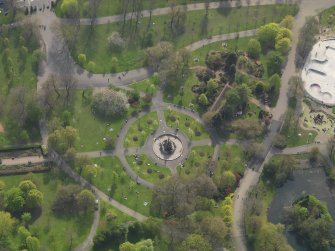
point(204, 74)
point(14, 200)
point(274, 63)
point(287, 22)
point(66, 199)
point(314, 154)
point(114, 63)
point(248, 128)
point(274, 91)
point(283, 45)
point(91, 66)
point(26, 186)
point(227, 180)
point(115, 41)
point(157, 53)
point(26, 217)
point(6, 226)
point(33, 244)
point(279, 141)
point(34, 199)
point(23, 233)
point(63, 139)
point(195, 242)
point(144, 245)
point(108, 102)
point(267, 35)
point(307, 39)
point(203, 99)
point(69, 8)
point(278, 173)
point(214, 229)
point(254, 48)
point(175, 69)
point(270, 238)
point(204, 186)
point(86, 201)
point(284, 33)
point(82, 58)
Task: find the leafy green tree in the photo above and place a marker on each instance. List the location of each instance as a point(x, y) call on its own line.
point(34, 199)
point(6, 226)
point(195, 242)
point(278, 173)
point(86, 200)
point(26, 186)
point(270, 238)
point(64, 138)
point(284, 33)
point(283, 45)
point(274, 89)
point(214, 229)
point(267, 35)
point(23, 233)
point(287, 22)
point(69, 8)
point(91, 66)
point(82, 58)
point(26, 217)
point(33, 244)
point(203, 99)
point(14, 200)
point(144, 245)
point(274, 63)
point(254, 48)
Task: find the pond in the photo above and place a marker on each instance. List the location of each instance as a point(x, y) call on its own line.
point(311, 181)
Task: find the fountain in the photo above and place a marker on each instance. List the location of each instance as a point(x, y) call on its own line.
point(167, 147)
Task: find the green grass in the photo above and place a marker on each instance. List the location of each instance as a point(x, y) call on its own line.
point(186, 125)
point(108, 8)
point(232, 158)
point(142, 170)
point(147, 86)
point(197, 160)
point(122, 186)
point(293, 138)
point(54, 232)
point(141, 129)
point(119, 217)
point(92, 129)
point(93, 42)
point(328, 17)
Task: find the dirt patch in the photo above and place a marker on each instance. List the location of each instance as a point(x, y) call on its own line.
point(2, 129)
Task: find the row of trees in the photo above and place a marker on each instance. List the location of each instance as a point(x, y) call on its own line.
point(19, 201)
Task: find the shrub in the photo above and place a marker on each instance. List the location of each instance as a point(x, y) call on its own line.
point(173, 118)
point(115, 41)
point(161, 176)
point(149, 170)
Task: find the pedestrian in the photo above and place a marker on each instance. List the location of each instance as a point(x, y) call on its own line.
point(108, 80)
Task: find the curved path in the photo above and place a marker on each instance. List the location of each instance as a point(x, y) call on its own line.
point(188, 7)
point(251, 178)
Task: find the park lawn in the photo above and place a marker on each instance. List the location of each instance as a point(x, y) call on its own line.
point(54, 232)
point(93, 129)
point(93, 42)
point(142, 169)
point(293, 139)
point(140, 130)
point(328, 17)
point(108, 8)
point(196, 162)
point(123, 187)
point(186, 124)
point(232, 158)
point(24, 74)
point(146, 86)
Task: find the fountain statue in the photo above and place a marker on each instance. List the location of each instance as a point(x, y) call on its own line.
point(167, 147)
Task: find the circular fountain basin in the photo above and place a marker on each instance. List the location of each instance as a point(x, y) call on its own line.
point(160, 153)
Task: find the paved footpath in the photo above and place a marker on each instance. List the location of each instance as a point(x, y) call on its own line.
point(188, 7)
